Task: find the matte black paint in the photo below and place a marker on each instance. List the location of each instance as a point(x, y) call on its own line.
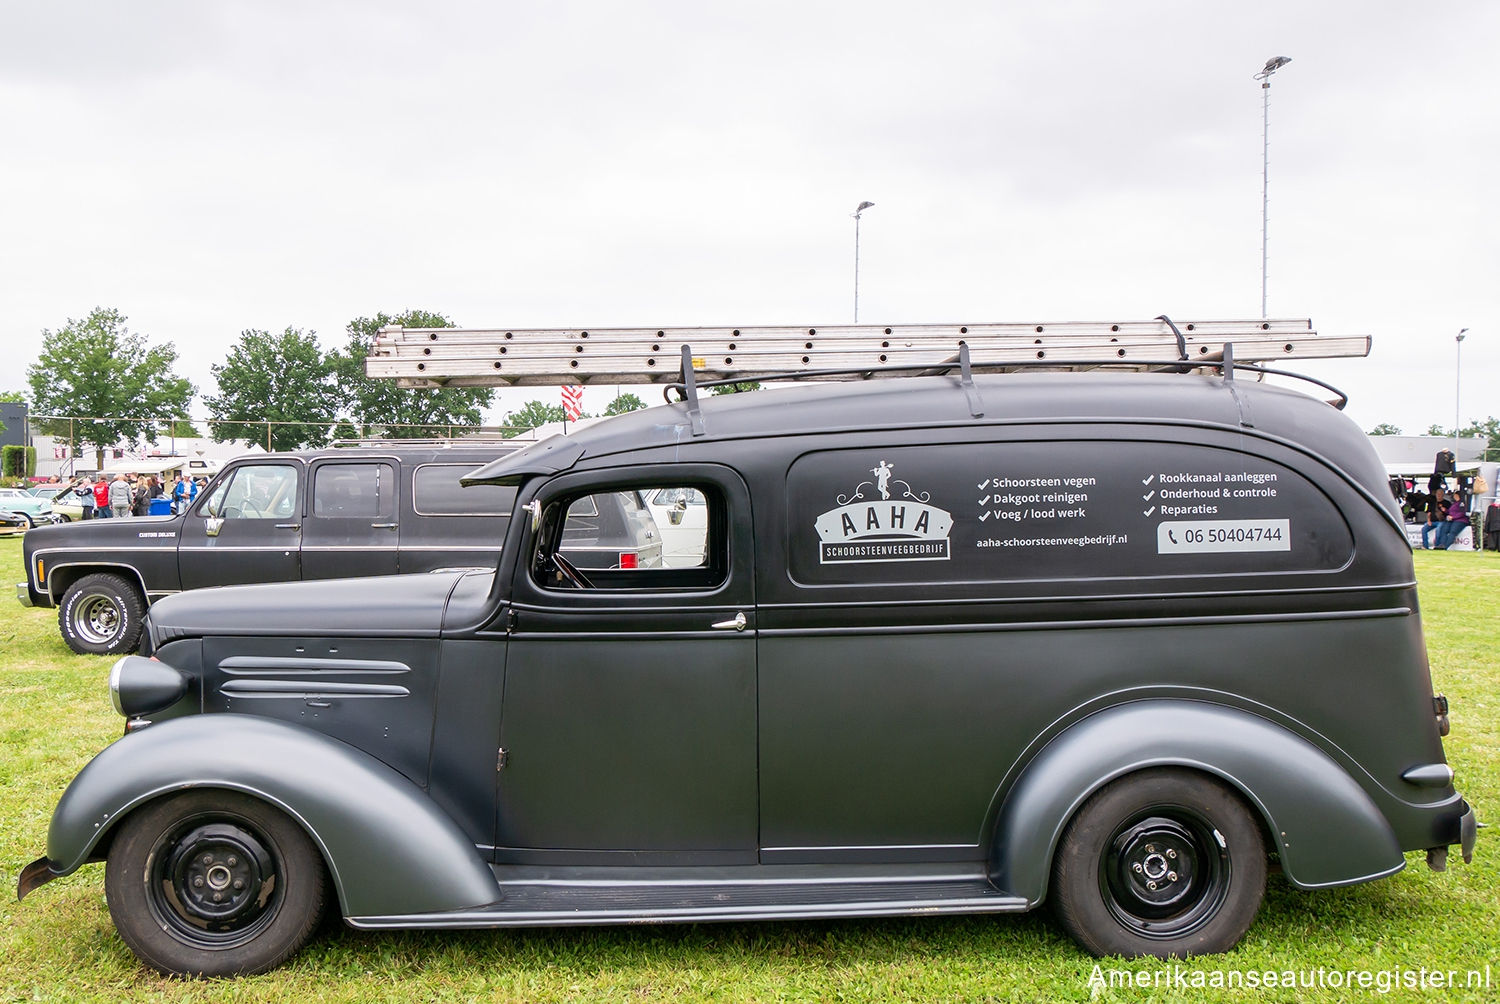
point(387, 846)
point(871, 728)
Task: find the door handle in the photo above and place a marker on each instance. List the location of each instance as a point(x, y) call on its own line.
point(737, 623)
point(288, 526)
point(383, 526)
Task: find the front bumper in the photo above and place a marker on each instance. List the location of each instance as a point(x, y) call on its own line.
point(23, 593)
point(38, 873)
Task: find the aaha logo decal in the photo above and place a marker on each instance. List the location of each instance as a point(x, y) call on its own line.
point(872, 525)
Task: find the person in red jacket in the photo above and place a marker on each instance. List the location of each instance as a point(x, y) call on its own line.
point(101, 498)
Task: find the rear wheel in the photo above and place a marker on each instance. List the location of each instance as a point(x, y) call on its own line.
point(1166, 862)
point(101, 614)
point(214, 883)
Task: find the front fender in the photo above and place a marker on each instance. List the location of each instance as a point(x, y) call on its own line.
point(390, 850)
point(1327, 830)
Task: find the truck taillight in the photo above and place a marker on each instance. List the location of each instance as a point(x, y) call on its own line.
point(627, 559)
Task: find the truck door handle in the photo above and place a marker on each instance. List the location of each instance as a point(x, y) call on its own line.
point(737, 623)
point(288, 526)
point(382, 526)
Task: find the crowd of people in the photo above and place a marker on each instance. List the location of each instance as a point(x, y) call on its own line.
point(130, 494)
point(1442, 510)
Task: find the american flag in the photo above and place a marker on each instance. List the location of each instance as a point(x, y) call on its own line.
point(572, 402)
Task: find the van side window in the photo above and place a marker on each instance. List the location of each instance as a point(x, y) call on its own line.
point(436, 491)
point(354, 491)
point(255, 491)
point(652, 537)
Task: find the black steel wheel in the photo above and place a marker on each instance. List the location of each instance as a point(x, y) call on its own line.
point(1166, 862)
point(214, 883)
point(101, 614)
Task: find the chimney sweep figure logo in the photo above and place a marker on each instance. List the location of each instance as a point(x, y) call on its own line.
point(866, 528)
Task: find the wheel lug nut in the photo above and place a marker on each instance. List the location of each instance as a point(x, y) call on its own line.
point(1136, 866)
point(239, 884)
point(1171, 876)
point(1170, 853)
point(208, 859)
point(233, 861)
point(1150, 848)
point(198, 882)
point(218, 896)
point(1149, 885)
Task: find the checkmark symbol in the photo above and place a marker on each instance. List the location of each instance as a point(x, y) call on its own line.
point(1148, 512)
point(984, 484)
point(984, 517)
point(985, 500)
point(1147, 481)
point(1147, 497)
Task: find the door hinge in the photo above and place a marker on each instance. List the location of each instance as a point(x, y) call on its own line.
point(510, 621)
point(502, 757)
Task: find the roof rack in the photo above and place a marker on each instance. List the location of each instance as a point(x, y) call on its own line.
point(490, 357)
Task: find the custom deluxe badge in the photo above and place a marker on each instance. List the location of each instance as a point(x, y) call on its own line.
point(871, 525)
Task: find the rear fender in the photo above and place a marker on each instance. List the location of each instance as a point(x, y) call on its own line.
point(390, 850)
point(1326, 829)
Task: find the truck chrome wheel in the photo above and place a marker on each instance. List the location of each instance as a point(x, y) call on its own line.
point(101, 614)
point(97, 618)
point(1165, 862)
point(213, 883)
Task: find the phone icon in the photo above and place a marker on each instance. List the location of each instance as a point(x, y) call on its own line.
point(1171, 536)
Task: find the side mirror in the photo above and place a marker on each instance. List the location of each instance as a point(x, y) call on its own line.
point(535, 508)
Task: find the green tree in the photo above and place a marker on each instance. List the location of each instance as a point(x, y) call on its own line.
point(1384, 429)
point(1489, 429)
point(1436, 430)
point(282, 378)
point(99, 369)
point(403, 413)
point(533, 414)
point(624, 403)
point(736, 388)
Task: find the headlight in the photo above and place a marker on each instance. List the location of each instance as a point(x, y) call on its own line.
point(140, 686)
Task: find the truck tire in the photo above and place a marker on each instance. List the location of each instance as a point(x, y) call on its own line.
point(214, 883)
point(1165, 862)
point(101, 614)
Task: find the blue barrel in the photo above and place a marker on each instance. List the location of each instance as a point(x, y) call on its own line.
point(160, 506)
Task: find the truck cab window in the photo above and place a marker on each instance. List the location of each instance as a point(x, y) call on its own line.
point(654, 537)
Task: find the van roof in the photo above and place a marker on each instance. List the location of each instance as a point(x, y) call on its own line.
point(941, 401)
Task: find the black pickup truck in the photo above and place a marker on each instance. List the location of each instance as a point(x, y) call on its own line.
point(337, 513)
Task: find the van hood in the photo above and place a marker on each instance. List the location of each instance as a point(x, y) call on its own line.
point(388, 606)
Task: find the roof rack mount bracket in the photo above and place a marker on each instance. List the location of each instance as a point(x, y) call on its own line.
point(690, 391)
point(966, 381)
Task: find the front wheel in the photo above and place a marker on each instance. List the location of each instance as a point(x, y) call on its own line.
point(214, 883)
point(101, 614)
point(1166, 862)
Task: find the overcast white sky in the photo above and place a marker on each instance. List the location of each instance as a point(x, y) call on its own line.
point(206, 167)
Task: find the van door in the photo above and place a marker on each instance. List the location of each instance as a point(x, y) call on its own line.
point(629, 713)
point(248, 528)
point(351, 526)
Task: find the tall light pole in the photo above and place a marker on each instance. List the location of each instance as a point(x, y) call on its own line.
point(857, 210)
point(1458, 383)
point(1264, 76)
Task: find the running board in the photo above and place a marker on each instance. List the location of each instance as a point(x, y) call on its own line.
point(548, 897)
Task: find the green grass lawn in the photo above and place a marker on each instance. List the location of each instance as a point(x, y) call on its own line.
point(60, 945)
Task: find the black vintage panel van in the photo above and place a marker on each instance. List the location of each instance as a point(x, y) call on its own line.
point(1117, 643)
